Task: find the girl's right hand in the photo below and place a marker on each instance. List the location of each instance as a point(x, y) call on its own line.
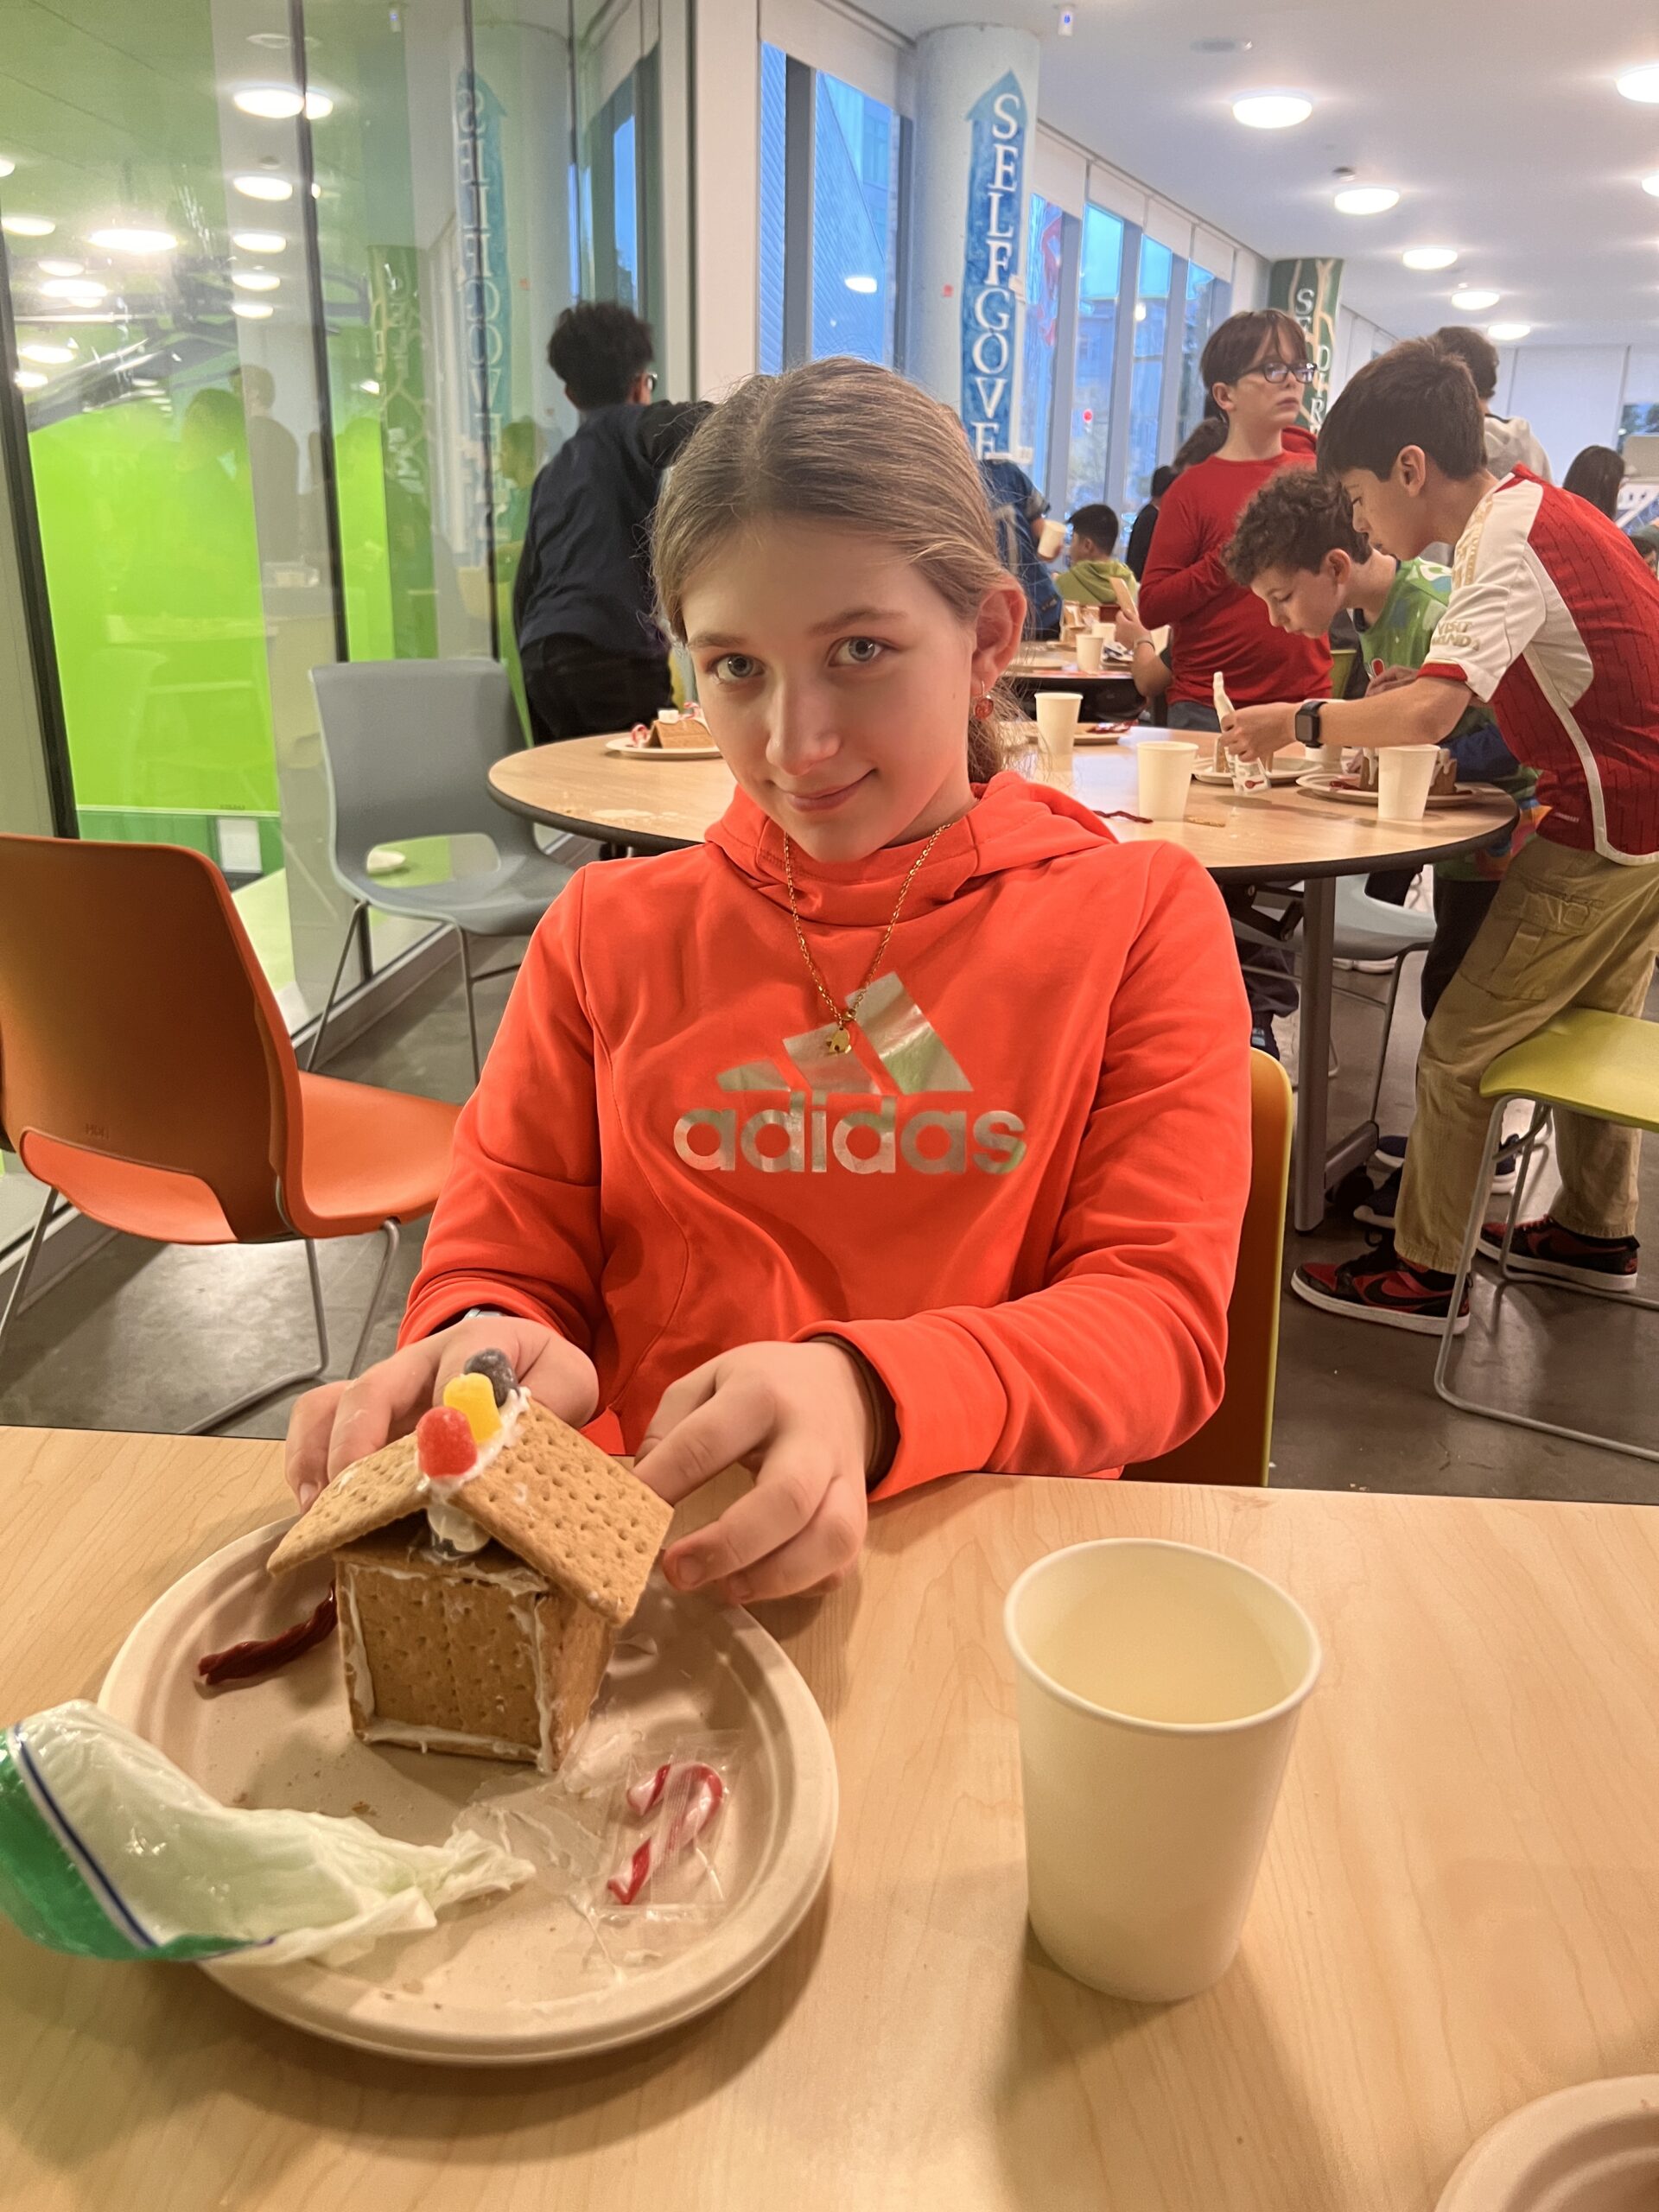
point(339, 1423)
point(1131, 632)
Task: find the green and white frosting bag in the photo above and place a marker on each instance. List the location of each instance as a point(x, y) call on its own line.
point(109, 1851)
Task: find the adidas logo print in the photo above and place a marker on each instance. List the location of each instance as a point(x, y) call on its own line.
point(803, 1138)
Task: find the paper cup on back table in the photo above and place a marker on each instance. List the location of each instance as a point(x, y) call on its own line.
point(1091, 651)
point(1051, 535)
point(1158, 1690)
point(1164, 767)
point(1057, 722)
point(1404, 773)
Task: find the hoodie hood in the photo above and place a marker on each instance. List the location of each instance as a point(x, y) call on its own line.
point(1012, 824)
point(1511, 442)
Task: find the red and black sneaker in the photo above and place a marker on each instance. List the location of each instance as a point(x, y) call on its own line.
point(1551, 1253)
point(1381, 1286)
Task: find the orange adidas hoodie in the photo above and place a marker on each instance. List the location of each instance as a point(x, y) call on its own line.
point(1018, 1196)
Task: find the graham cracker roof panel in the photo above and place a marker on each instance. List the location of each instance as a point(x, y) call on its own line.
point(369, 1495)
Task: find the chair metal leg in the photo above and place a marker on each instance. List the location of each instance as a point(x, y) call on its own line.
point(1534, 1130)
point(388, 1231)
point(26, 1267)
point(1477, 1209)
point(215, 1420)
point(357, 913)
point(471, 1011)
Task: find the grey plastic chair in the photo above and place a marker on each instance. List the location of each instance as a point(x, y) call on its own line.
point(408, 745)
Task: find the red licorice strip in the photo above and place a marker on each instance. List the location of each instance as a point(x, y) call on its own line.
point(243, 1662)
point(704, 1791)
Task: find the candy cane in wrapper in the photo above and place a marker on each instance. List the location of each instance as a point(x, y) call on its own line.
point(700, 1792)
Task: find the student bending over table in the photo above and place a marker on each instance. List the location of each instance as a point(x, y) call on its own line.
point(900, 1129)
point(1553, 618)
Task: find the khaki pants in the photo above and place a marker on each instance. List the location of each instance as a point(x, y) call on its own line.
point(1567, 929)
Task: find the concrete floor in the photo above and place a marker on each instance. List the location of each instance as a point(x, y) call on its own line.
point(146, 1339)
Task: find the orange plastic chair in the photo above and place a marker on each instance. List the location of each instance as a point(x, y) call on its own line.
point(1234, 1444)
point(147, 1077)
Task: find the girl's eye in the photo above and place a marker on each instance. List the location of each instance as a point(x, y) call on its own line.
point(860, 651)
point(735, 668)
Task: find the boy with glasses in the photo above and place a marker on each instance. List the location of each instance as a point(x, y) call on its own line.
point(1553, 619)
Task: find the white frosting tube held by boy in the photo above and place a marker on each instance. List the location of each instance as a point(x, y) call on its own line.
point(1249, 776)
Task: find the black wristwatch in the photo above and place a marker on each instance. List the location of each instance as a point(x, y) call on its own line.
point(1307, 721)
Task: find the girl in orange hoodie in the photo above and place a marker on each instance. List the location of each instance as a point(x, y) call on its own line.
point(900, 1129)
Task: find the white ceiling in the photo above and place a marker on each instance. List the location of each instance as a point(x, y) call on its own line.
point(1496, 120)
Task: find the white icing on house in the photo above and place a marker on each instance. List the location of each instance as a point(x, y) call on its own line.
point(448, 1524)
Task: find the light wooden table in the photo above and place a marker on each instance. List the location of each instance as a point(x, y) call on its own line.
point(1458, 1910)
point(657, 804)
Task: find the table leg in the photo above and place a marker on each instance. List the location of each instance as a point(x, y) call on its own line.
point(1314, 1065)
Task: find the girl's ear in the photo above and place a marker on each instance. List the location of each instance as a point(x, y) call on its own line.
point(998, 628)
point(1224, 395)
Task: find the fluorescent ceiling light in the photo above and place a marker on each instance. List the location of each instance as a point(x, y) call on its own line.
point(1367, 200)
point(27, 227)
point(281, 103)
point(254, 280)
point(1272, 111)
point(28, 379)
point(861, 284)
point(1508, 334)
point(259, 241)
point(1429, 257)
point(61, 268)
point(136, 239)
point(51, 356)
point(250, 310)
point(1472, 301)
point(79, 292)
point(1641, 83)
point(260, 185)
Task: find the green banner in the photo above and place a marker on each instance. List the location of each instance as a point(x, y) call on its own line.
point(1309, 290)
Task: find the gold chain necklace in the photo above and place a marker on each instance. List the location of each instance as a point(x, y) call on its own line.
point(840, 1039)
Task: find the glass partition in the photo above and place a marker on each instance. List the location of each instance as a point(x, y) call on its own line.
point(1091, 383)
point(1044, 251)
point(1207, 299)
point(1146, 371)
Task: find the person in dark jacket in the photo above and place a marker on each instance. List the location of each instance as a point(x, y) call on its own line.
point(1017, 509)
point(1146, 522)
point(594, 659)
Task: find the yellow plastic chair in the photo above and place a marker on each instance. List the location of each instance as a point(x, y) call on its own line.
point(1234, 1444)
point(1605, 1066)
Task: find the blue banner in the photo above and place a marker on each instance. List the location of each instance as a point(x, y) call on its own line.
point(996, 169)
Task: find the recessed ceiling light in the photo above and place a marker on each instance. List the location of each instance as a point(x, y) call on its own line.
point(273, 41)
point(7, 165)
point(1272, 111)
point(79, 292)
point(281, 103)
point(53, 356)
point(250, 310)
point(1641, 83)
point(1473, 299)
point(27, 227)
point(1508, 334)
point(254, 280)
point(260, 186)
point(369, 385)
point(1429, 257)
point(259, 241)
point(1367, 200)
point(61, 268)
point(861, 284)
point(28, 379)
point(136, 239)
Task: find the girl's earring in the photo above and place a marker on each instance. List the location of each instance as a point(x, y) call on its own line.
point(982, 708)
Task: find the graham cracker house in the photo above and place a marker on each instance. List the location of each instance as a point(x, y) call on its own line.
point(478, 1612)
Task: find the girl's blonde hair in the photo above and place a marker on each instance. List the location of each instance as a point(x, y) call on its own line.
point(844, 442)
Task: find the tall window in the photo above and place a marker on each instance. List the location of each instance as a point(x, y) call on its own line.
point(1091, 382)
point(1146, 373)
point(844, 297)
point(1044, 243)
point(1206, 306)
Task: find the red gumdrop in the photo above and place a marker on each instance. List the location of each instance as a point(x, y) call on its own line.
point(443, 1438)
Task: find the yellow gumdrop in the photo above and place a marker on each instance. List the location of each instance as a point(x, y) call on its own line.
point(474, 1395)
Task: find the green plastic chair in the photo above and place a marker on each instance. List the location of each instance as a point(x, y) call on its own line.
point(1604, 1065)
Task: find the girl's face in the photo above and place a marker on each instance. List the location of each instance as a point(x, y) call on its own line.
point(837, 683)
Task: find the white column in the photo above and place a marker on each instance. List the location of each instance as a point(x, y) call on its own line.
point(726, 150)
point(975, 126)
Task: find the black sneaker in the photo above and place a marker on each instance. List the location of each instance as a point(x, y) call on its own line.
point(1381, 1286)
point(1390, 1155)
point(1379, 1209)
point(1546, 1250)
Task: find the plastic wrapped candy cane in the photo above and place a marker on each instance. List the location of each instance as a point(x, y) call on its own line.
point(686, 1795)
point(1250, 777)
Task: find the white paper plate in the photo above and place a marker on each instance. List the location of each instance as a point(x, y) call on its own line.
point(1594, 2148)
point(510, 1979)
point(1224, 776)
point(625, 747)
point(1105, 733)
point(1320, 783)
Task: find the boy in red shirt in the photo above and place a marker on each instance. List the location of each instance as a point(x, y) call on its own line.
point(1553, 619)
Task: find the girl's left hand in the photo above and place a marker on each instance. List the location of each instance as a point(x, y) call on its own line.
point(800, 1416)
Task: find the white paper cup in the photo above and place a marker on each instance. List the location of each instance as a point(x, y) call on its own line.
point(1164, 766)
point(1057, 722)
point(1404, 773)
point(1158, 1690)
point(1091, 651)
point(1051, 535)
point(1104, 625)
